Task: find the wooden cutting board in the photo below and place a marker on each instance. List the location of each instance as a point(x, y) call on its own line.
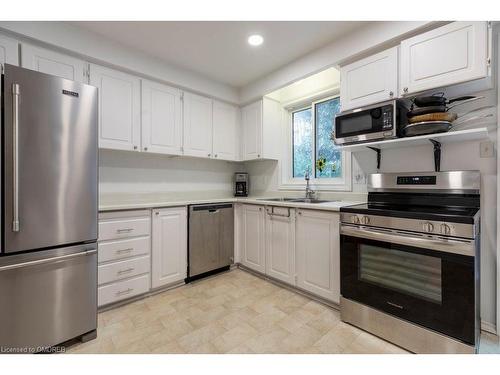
point(438, 116)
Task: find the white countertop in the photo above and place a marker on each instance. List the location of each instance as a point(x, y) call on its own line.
point(122, 201)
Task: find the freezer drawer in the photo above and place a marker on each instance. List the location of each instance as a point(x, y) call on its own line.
point(211, 237)
point(47, 297)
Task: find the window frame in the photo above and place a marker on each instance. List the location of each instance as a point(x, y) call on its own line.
point(288, 182)
point(295, 110)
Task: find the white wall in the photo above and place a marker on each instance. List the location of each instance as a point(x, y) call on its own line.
point(321, 84)
point(66, 37)
point(374, 35)
point(130, 172)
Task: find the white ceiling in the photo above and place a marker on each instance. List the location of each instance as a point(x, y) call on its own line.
point(219, 50)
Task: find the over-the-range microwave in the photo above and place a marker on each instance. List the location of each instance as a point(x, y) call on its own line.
point(370, 123)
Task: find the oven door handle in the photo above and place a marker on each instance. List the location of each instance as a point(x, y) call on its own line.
point(448, 245)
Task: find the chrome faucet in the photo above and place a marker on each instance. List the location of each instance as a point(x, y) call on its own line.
point(309, 192)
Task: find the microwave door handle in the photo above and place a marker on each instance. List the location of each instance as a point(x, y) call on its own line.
point(15, 157)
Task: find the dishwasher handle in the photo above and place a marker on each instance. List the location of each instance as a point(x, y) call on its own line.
point(212, 208)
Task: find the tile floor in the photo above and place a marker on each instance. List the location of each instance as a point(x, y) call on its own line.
point(234, 312)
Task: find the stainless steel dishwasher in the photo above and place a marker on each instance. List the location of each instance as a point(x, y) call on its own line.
point(211, 239)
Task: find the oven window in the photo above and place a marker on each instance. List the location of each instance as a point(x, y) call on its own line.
point(414, 274)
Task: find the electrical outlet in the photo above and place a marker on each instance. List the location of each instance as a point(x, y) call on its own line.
point(359, 178)
point(486, 149)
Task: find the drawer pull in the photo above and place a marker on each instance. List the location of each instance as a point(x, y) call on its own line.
point(125, 271)
point(128, 250)
point(125, 230)
point(126, 291)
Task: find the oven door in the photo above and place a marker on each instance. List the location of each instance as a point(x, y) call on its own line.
point(412, 277)
point(364, 124)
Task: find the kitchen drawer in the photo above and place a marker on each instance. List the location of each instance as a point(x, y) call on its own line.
point(111, 272)
point(122, 290)
point(121, 249)
point(124, 228)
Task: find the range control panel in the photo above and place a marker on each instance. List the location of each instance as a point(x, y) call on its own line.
point(416, 180)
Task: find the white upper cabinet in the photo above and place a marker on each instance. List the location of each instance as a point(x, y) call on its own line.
point(119, 108)
point(54, 63)
point(251, 122)
point(280, 243)
point(225, 131)
point(261, 127)
point(452, 54)
point(318, 253)
point(161, 119)
point(169, 250)
point(197, 125)
point(8, 51)
point(253, 252)
point(370, 80)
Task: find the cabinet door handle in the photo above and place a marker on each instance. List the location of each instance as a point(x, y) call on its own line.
point(145, 148)
point(121, 251)
point(405, 90)
point(126, 291)
point(124, 230)
point(135, 147)
point(121, 272)
point(209, 155)
point(391, 94)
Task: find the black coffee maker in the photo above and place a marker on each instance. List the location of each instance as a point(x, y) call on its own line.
point(241, 184)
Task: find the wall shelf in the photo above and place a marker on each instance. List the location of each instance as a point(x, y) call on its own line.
point(421, 140)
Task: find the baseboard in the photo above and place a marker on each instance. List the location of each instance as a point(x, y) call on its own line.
point(488, 327)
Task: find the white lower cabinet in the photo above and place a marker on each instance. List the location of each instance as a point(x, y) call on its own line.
point(128, 288)
point(296, 246)
point(169, 250)
point(124, 262)
point(318, 253)
point(252, 238)
point(280, 243)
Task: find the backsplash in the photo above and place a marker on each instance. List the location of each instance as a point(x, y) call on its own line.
point(131, 172)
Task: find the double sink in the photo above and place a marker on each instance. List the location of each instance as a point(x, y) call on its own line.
point(296, 200)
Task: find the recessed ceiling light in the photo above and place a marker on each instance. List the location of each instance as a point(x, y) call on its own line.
point(255, 40)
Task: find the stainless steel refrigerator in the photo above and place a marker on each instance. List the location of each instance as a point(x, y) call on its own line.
point(48, 257)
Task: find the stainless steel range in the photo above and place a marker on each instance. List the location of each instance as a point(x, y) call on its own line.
point(410, 261)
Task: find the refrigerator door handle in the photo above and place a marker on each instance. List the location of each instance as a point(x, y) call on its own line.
point(15, 157)
point(47, 260)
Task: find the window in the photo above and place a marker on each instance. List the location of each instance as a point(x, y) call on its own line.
point(327, 153)
point(302, 142)
point(313, 148)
